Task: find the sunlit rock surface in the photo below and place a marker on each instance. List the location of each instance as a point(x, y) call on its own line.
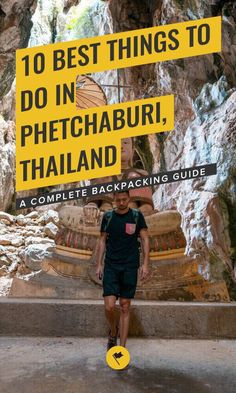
point(205, 110)
point(7, 159)
point(15, 26)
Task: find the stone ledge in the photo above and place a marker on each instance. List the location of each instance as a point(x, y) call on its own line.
point(85, 318)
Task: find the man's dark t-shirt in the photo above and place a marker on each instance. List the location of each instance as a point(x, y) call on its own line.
point(122, 242)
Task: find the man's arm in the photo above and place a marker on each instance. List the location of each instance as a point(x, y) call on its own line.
point(144, 271)
point(101, 250)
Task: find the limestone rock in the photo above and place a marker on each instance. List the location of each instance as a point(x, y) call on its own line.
point(51, 216)
point(21, 220)
point(36, 230)
point(212, 96)
point(34, 254)
point(2, 250)
point(13, 268)
point(3, 271)
point(5, 222)
point(33, 214)
point(22, 269)
point(15, 25)
point(68, 4)
point(7, 168)
point(14, 33)
point(5, 285)
point(205, 106)
point(45, 22)
point(17, 241)
point(5, 260)
point(4, 240)
point(12, 249)
point(8, 106)
point(51, 230)
point(38, 240)
point(7, 217)
point(206, 204)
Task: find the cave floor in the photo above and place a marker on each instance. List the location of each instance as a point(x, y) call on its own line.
point(77, 365)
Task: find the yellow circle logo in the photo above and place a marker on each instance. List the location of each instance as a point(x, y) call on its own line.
point(118, 357)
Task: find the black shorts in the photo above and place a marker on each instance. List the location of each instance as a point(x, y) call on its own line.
point(120, 280)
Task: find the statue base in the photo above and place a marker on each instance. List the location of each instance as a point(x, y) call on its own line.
point(70, 274)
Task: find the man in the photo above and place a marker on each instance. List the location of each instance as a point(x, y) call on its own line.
point(120, 230)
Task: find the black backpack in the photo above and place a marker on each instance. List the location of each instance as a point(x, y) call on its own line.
point(109, 214)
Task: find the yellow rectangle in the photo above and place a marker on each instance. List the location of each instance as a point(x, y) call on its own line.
point(40, 69)
point(154, 44)
point(158, 119)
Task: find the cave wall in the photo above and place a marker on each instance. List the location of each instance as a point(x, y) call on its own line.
point(29, 23)
point(205, 118)
point(15, 28)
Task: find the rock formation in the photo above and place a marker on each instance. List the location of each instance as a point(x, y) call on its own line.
point(24, 242)
point(15, 26)
point(204, 89)
point(7, 159)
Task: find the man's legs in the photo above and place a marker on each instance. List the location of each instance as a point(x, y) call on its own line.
point(110, 302)
point(124, 320)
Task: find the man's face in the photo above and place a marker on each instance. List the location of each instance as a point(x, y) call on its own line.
point(122, 200)
point(126, 149)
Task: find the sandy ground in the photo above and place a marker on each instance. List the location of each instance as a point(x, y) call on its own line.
point(77, 365)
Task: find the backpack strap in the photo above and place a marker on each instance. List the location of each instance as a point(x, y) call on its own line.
point(135, 213)
point(108, 216)
point(136, 217)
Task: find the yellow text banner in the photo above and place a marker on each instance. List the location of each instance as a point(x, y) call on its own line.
point(84, 144)
point(120, 50)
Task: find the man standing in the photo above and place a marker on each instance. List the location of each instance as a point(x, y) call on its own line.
point(120, 230)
